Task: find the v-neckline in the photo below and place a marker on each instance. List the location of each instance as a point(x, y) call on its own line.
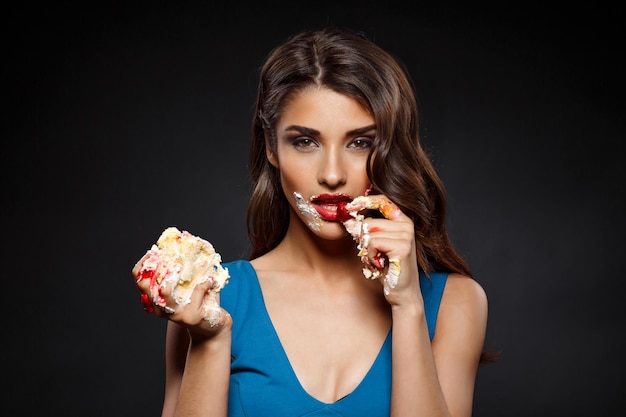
point(285, 358)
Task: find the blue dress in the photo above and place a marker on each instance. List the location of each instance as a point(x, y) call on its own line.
point(262, 382)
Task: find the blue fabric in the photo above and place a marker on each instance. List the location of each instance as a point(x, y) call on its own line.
point(262, 382)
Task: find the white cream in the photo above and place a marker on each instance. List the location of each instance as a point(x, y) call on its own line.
point(393, 273)
point(312, 217)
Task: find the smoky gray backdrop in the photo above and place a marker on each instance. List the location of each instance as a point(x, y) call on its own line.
point(123, 118)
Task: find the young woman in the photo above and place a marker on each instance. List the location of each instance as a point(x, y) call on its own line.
point(302, 331)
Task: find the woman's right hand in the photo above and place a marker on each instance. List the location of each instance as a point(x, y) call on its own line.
point(202, 316)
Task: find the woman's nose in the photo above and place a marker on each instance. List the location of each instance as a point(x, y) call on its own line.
point(332, 170)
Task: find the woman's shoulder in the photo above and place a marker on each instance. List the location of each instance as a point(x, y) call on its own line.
point(241, 291)
point(462, 289)
point(241, 275)
point(463, 310)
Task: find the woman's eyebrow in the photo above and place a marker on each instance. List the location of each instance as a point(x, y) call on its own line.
point(303, 130)
point(313, 132)
point(361, 130)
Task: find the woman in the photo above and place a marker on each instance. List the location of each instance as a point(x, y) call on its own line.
point(302, 331)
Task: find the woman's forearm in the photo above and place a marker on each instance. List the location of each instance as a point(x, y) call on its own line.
point(205, 382)
point(415, 386)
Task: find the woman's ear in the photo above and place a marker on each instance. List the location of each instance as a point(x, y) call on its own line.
point(271, 156)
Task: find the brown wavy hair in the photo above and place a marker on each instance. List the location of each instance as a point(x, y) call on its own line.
point(398, 166)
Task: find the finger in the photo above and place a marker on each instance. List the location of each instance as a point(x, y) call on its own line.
point(193, 312)
point(390, 281)
point(148, 296)
point(214, 315)
point(146, 303)
point(382, 203)
point(165, 303)
point(390, 246)
point(386, 227)
point(143, 284)
point(389, 209)
point(137, 267)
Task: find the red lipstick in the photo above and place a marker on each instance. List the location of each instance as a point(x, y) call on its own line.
point(332, 207)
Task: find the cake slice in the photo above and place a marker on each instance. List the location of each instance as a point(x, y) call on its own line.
point(184, 261)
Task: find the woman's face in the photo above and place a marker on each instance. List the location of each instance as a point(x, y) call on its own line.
point(323, 140)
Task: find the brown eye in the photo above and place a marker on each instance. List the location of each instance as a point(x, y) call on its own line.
point(361, 143)
point(303, 142)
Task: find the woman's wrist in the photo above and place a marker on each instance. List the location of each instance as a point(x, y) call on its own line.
point(408, 308)
point(212, 343)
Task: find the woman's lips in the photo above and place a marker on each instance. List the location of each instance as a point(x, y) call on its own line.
point(327, 212)
point(332, 207)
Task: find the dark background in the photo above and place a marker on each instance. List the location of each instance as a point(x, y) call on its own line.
point(123, 118)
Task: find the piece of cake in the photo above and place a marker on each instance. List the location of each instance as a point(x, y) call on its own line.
point(184, 261)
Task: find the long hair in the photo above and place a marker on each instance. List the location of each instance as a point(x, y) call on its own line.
point(398, 166)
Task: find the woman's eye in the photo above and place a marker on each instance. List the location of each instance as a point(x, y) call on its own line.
point(361, 143)
point(303, 142)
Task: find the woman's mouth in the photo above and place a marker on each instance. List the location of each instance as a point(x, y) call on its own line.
point(331, 207)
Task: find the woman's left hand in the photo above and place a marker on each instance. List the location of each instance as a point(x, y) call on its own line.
point(392, 244)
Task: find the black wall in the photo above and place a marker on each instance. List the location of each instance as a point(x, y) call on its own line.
point(120, 120)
